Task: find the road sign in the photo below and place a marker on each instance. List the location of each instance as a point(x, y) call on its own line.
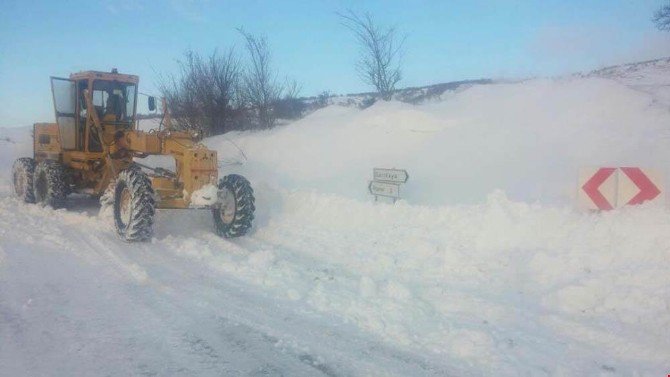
point(386, 182)
point(608, 187)
point(600, 196)
point(637, 186)
point(390, 175)
point(388, 189)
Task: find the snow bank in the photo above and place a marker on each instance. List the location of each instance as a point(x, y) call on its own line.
point(14, 142)
point(528, 139)
point(651, 77)
point(502, 286)
point(511, 279)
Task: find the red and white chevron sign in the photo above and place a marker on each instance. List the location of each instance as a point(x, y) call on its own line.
point(608, 188)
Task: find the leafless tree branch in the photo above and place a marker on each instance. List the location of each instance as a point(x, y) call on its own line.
point(203, 94)
point(381, 48)
point(662, 17)
point(260, 88)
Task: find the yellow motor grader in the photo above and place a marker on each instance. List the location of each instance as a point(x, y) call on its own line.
point(94, 148)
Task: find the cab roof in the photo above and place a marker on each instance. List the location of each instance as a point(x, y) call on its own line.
point(107, 76)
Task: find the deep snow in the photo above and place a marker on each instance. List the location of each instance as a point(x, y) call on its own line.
point(485, 269)
point(528, 139)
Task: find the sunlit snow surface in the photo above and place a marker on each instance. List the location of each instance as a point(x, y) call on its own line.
point(484, 269)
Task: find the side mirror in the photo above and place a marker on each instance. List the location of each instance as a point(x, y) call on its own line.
point(152, 103)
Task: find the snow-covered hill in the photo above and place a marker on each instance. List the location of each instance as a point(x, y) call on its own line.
point(484, 269)
point(651, 77)
point(528, 139)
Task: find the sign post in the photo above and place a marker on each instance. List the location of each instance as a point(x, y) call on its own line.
point(386, 182)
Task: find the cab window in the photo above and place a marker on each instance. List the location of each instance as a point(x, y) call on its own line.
point(114, 101)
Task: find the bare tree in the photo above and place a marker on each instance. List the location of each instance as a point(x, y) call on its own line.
point(202, 96)
point(289, 106)
point(662, 17)
point(260, 88)
point(381, 49)
point(292, 88)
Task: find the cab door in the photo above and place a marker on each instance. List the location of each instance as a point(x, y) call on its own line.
point(64, 95)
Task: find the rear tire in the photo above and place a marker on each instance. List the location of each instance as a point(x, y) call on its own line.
point(49, 184)
point(235, 208)
point(22, 179)
point(134, 205)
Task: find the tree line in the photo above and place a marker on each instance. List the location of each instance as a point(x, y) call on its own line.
point(221, 92)
point(225, 91)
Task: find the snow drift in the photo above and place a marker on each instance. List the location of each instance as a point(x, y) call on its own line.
point(485, 267)
point(528, 139)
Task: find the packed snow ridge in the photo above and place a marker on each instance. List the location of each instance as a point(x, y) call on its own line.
point(485, 267)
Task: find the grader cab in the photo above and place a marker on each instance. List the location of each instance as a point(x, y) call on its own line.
point(95, 148)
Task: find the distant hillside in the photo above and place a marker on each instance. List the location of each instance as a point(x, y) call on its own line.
point(652, 77)
point(647, 70)
point(414, 95)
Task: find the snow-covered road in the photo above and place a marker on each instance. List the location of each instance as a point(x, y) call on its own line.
point(76, 301)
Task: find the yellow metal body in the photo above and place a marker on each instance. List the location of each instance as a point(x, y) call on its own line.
point(94, 165)
point(195, 165)
point(46, 143)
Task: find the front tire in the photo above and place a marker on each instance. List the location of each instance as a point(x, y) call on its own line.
point(235, 208)
point(49, 184)
point(22, 179)
point(134, 205)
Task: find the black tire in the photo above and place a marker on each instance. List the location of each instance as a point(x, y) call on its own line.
point(50, 184)
point(238, 222)
point(134, 205)
point(22, 179)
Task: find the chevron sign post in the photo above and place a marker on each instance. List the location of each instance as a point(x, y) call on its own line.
point(608, 188)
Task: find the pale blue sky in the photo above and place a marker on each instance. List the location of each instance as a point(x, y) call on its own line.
point(446, 40)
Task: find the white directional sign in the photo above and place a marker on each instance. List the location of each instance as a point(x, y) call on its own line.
point(386, 182)
point(389, 175)
point(391, 190)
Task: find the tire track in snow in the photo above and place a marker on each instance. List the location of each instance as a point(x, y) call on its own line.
point(188, 290)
